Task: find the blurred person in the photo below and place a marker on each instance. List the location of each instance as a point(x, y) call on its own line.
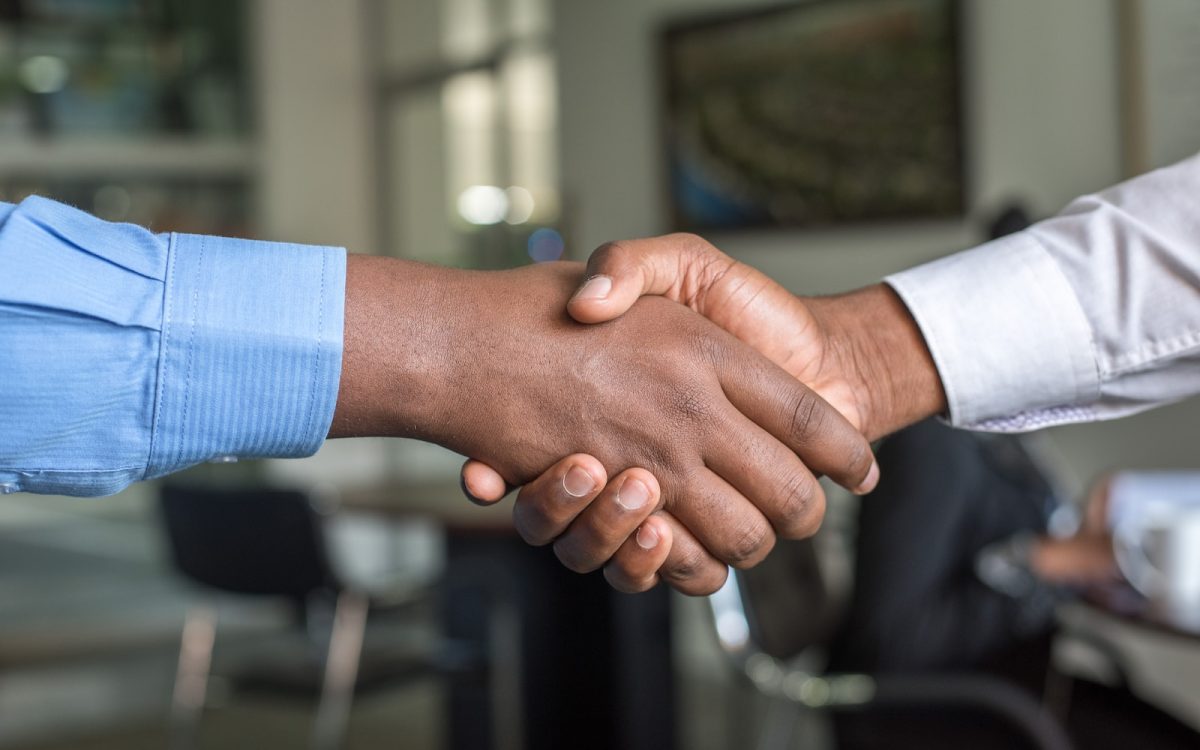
point(948, 496)
point(955, 572)
point(1092, 314)
point(1027, 561)
point(128, 355)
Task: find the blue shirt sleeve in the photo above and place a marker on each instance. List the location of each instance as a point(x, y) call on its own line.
point(126, 355)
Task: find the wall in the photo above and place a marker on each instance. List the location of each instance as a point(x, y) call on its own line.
point(1042, 109)
point(314, 121)
point(316, 164)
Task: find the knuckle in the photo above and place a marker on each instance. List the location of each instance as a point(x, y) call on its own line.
point(606, 536)
point(533, 539)
point(799, 500)
point(706, 265)
point(806, 417)
point(752, 544)
point(622, 581)
point(860, 458)
point(692, 243)
point(663, 459)
point(804, 510)
point(533, 524)
point(685, 567)
point(706, 346)
point(617, 580)
point(573, 558)
point(691, 403)
point(707, 585)
point(614, 252)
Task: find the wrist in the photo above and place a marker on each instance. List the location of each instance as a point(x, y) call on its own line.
point(877, 345)
point(396, 350)
point(445, 355)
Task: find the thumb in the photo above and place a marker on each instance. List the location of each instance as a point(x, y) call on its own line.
point(482, 484)
point(618, 273)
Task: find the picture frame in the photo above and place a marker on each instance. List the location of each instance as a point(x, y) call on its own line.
point(814, 114)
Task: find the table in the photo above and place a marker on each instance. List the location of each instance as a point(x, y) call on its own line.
point(1122, 602)
point(1114, 627)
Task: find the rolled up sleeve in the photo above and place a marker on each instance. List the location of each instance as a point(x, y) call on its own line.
point(129, 355)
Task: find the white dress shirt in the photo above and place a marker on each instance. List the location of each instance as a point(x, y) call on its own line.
point(1093, 314)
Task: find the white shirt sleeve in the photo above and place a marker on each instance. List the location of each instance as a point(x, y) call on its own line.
point(1093, 314)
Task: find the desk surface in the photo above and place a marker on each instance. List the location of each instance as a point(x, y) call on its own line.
point(1123, 603)
point(442, 501)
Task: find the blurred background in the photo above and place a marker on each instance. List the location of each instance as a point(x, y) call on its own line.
point(828, 143)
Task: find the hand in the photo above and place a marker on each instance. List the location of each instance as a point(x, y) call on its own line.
point(488, 364)
point(1087, 556)
point(861, 352)
point(1077, 560)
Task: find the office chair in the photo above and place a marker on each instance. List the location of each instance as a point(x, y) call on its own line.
point(766, 618)
point(261, 542)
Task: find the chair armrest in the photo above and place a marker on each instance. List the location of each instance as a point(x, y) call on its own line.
point(975, 691)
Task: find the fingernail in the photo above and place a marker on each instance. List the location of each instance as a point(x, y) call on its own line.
point(647, 537)
point(869, 483)
point(578, 482)
point(633, 494)
point(596, 288)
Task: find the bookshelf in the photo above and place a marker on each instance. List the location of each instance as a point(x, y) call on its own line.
point(136, 110)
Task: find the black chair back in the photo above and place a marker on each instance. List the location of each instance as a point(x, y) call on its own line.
point(256, 541)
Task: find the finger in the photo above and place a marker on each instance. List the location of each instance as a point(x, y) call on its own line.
point(608, 521)
point(729, 526)
point(1095, 519)
point(689, 568)
point(800, 419)
point(635, 566)
point(546, 506)
point(677, 266)
point(481, 483)
point(771, 477)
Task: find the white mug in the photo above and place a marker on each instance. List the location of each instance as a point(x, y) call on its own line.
point(1155, 520)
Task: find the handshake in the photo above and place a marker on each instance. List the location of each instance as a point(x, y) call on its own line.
point(695, 400)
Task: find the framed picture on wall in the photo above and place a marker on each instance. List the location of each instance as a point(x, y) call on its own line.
point(819, 113)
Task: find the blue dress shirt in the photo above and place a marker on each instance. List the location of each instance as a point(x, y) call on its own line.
point(126, 355)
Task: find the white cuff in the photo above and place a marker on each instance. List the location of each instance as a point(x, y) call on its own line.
point(1005, 329)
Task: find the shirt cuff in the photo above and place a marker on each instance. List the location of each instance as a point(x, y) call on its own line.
point(1010, 340)
point(251, 350)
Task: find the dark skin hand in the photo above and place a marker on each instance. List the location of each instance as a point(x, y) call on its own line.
point(690, 421)
point(1086, 557)
point(861, 351)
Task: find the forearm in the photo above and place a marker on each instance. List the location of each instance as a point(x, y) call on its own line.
point(452, 356)
point(880, 348)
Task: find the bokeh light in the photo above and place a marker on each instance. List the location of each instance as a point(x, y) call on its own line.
point(43, 74)
point(545, 245)
point(483, 204)
point(112, 203)
point(520, 205)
